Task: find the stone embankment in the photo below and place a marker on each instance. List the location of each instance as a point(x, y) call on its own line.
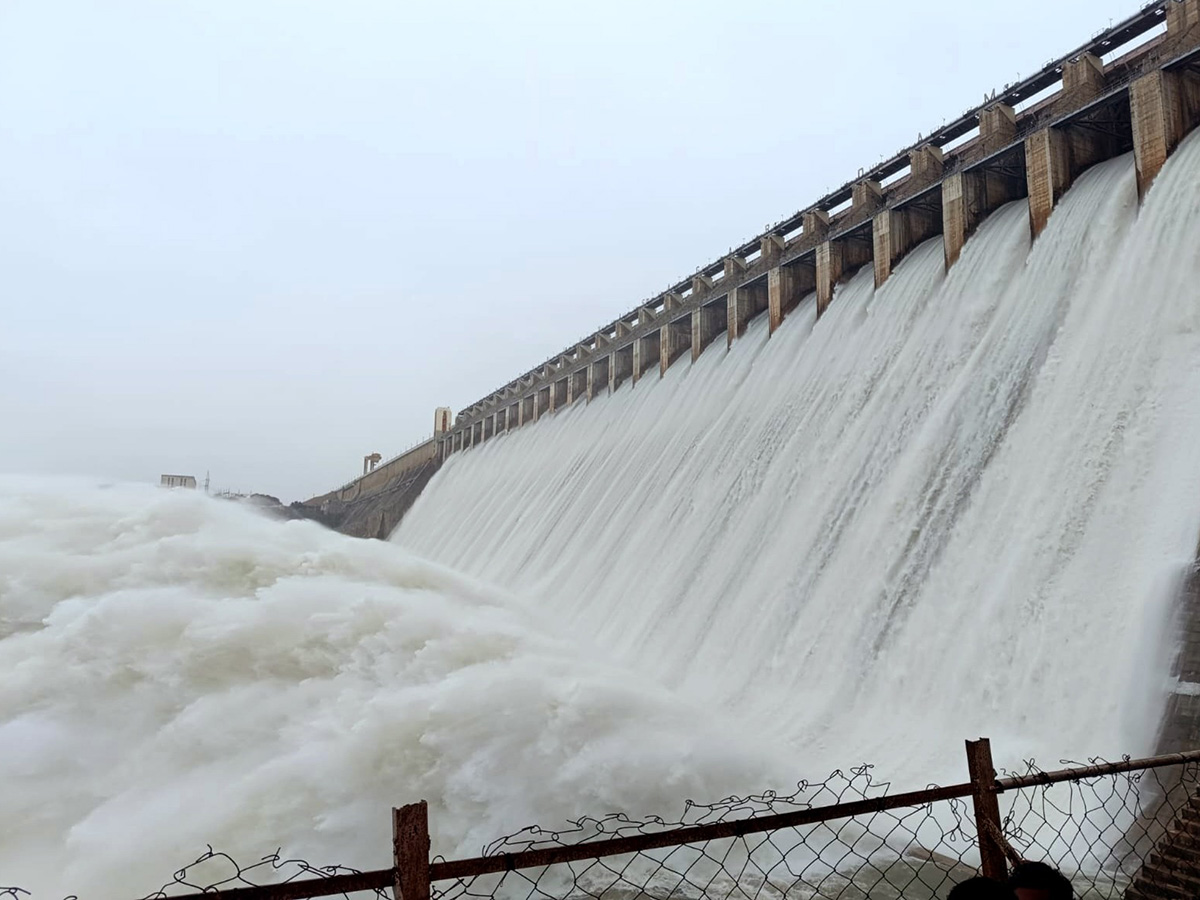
point(374, 514)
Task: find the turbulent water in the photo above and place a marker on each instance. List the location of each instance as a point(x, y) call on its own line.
point(955, 506)
point(179, 671)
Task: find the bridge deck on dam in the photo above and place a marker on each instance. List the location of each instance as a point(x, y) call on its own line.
point(1134, 87)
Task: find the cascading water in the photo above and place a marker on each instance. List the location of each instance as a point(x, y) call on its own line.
point(955, 506)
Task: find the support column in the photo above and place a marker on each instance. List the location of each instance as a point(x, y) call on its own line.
point(707, 323)
point(781, 295)
point(960, 212)
point(598, 376)
point(830, 266)
point(895, 232)
point(645, 354)
point(739, 307)
point(786, 287)
point(577, 384)
point(1157, 108)
point(620, 366)
point(1048, 174)
point(674, 340)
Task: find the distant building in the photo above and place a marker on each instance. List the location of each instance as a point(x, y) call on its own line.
point(178, 481)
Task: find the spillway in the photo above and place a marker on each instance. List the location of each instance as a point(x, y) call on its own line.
point(959, 505)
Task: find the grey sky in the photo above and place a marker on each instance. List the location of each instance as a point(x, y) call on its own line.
point(265, 238)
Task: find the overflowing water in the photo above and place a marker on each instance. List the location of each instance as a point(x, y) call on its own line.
point(955, 506)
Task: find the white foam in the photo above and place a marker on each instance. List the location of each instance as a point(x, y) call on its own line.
point(178, 671)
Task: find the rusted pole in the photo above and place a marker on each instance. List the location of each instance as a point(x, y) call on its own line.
point(987, 808)
point(410, 840)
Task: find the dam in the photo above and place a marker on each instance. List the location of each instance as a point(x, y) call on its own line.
point(1133, 87)
point(917, 465)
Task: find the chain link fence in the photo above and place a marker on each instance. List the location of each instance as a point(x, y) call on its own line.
point(846, 837)
point(917, 852)
point(1099, 831)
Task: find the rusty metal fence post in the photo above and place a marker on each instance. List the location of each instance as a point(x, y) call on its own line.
point(987, 808)
point(410, 841)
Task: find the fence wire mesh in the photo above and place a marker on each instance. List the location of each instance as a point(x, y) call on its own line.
point(213, 871)
point(217, 871)
point(1099, 830)
point(916, 852)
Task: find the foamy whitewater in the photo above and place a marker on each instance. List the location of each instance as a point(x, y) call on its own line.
point(179, 671)
point(957, 506)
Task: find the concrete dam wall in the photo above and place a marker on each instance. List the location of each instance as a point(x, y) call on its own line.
point(1134, 87)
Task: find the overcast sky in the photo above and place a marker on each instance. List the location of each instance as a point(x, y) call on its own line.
point(264, 238)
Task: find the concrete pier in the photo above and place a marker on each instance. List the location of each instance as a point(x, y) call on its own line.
point(744, 303)
point(897, 231)
point(707, 322)
point(839, 259)
point(739, 302)
point(675, 339)
point(830, 267)
point(786, 287)
point(969, 197)
point(577, 385)
point(1055, 156)
point(620, 367)
point(646, 353)
point(1164, 106)
point(597, 377)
